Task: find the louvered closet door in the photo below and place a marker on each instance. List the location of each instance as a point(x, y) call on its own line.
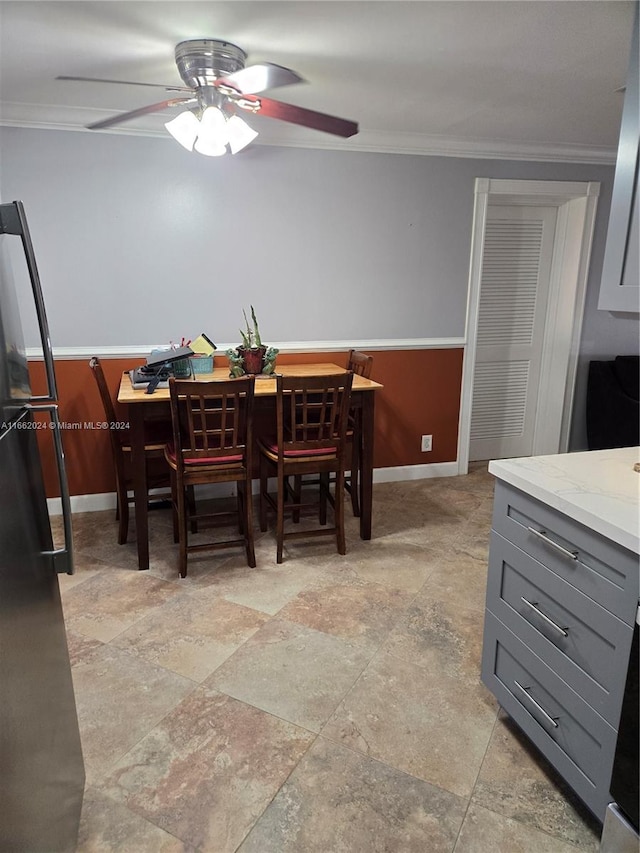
point(518, 249)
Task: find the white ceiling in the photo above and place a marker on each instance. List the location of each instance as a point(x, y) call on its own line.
point(483, 78)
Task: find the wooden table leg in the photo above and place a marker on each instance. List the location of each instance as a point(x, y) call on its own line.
point(366, 469)
point(139, 471)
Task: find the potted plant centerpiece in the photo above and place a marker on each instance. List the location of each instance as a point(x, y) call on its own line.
point(252, 356)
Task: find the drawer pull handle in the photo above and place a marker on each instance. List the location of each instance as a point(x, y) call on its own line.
point(542, 534)
point(552, 720)
point(534, 606)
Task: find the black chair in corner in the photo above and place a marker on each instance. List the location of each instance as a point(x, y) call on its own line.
point(613, 403)
point(158, 474)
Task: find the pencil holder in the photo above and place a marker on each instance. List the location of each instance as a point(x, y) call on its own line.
point(182, 368)
point(202, 364)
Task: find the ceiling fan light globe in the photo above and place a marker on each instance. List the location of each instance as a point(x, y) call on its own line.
point(209, 147)
point(184, 129)
point(240, 134)
point(213, 126)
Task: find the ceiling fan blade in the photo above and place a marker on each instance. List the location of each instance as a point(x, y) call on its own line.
point(257, 78)
point(125, 82)
point(299, 115)
point(152, 108)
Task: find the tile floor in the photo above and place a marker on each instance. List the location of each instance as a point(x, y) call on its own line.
point(327, 705)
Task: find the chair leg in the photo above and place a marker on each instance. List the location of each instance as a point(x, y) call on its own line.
point(355, 474)
point(174, 509)
point(264, 485)
point(240, 508)
point(122, 513)
point(324, 497)
point(191, 503)
point(338, 509)
point(247, 500)
point(184, 531)
point(297, 497)
point(280, 518)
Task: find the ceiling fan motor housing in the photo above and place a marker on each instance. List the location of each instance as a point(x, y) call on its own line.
point(201, 61)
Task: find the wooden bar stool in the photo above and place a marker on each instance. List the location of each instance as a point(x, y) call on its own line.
point(212, 443)
point(311, 417)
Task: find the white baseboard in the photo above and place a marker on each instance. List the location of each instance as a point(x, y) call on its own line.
point(84, 503)
point(415, 472)
point(107, 500)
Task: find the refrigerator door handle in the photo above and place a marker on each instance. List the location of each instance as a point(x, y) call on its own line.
point(62, 557)
point(14, 221)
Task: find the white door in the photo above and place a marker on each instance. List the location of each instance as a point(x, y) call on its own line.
point(514, 291)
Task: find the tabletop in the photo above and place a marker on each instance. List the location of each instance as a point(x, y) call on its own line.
point(265, 385)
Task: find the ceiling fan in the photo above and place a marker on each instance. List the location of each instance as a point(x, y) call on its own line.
point(218, 89)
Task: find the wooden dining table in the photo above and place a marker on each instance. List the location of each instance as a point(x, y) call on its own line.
point(141, 406)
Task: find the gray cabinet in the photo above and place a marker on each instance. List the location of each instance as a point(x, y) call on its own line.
point(561, 602)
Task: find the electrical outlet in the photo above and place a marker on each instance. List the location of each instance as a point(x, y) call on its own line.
point(426, 443)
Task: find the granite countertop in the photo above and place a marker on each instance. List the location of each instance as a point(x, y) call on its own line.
point(598, 488)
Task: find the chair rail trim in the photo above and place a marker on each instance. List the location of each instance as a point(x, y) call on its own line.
point(143, 350)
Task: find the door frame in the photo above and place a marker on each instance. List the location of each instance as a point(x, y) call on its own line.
point(576, 202)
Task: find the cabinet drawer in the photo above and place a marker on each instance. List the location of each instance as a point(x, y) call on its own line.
point(573, 737)
point(601, 569)
point(586, 645)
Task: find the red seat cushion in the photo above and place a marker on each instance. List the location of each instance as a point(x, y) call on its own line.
point(272, 447)
point(204, 460)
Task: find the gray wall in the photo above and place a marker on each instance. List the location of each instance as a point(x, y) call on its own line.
point(141, 242)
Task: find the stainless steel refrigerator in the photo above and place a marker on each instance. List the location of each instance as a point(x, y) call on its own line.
point(41, 767)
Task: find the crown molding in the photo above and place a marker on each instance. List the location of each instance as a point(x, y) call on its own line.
point(46, 117)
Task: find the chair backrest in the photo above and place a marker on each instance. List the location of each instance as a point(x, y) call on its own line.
point(360, 363)
point(117, 438)
point(212, 420)
point(312, 412)
point(107, 402)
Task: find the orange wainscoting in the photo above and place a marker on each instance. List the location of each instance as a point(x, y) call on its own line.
point(421, 395)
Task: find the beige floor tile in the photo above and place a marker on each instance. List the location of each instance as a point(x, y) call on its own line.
point(113, 600)
point(119, 699)
point(394, 563)
point(202, 567)
point(353, 610)
point(485, 511)
point(433, 498)
point(206, 773)
point(95, 535)
point(478, 479)
point(336, 800)
point(473, 537)
point(269, 586)
point(410, 728)
point(82, 649)
point(458, 576)
point(414, 523)
point(516, 781)
point(294, 672)
point(484, 831)
point(192, 634)
point(85, 567)
point(107, 826)
point(426, 723)
point(441, 636)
